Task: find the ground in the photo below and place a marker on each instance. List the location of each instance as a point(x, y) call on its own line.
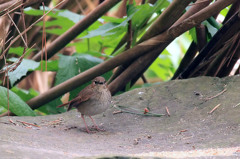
point(190, 127)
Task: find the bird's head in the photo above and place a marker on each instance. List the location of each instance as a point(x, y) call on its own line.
point(99, 82)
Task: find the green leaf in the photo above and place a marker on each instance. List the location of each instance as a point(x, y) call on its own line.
point(2, 110)
point(25, 95)
point(193, 34)
point(214, 23)
point(225, 11)
point(19, 51)
point(25, 66)
point(59, 16)
point(112, 19)
point(211, 29)
point(16, 104)
point(61, 20)
point(145, 12)
point(29, 65)
point(138, 14)
point(162, 67)
point(56, 13)
point(51, 65)
point(70, 66)
point(108, 29)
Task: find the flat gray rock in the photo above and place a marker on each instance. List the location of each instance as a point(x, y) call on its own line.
point(191, 130)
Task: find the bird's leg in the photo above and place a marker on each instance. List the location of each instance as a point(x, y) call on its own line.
point(82, 116)
point(96, 124)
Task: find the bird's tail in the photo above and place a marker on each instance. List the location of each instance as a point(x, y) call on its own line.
point(63, 105)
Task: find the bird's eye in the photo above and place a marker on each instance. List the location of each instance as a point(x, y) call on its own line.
point(96, 82)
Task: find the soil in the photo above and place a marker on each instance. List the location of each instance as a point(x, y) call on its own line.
point(190, 126)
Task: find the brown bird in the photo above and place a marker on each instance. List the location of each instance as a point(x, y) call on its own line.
point(93, 99)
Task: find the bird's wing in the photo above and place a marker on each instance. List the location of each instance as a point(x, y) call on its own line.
point(83, 96)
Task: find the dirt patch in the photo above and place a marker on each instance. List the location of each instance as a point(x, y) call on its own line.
point(190, 129)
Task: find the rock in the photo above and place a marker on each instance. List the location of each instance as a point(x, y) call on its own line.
point(189, 131)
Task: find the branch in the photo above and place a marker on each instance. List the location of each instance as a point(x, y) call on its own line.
point(162, 41)
point(12, 6)
point(218, 39)
point(160, 25)
point(128, 55)
point(78, 28)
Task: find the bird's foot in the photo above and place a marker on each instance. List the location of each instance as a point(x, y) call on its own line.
point(98, 129)
point(90, 132)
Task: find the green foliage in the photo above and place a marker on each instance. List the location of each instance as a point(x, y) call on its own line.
point(16, 104)
point(70, 66)
point(73, 65)
point(25, 95)
point(19, 51)
point(25, 66)
point(225, 11)
point(29, 65)
point(51, 66)
point(162, 67)
point(61, 22)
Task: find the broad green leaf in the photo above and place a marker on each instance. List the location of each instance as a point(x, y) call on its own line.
point(162, 67)
point(138, 14)
point(51, 66)
point(25, 66)
point(61, 20)
point(96, 44)
point(225, 11)
point(25, 95)
point(211, 29)
point(16, 104)
point(112, 19)
point(29, 65)
point(193, 34)
point(108, 29)
point(145, 12)
point(59, 16)
point(214, 23)
point(56, 13)
point(19, 51)
point(70, 66)
point(111, 28)
point(51, 107)
point(2, 110)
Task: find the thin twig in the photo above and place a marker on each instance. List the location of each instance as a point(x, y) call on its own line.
point(214, 109)
point(14, 66)
point(17, 30)
point(26, 123)
point(224, 90)
point(43, 37)
point(117, 112)
point(80, 7)
point(11, 121)
point(8, 93)
point(9, 11)
point(30, 27)
point(236, 105)
point(24, 24)
point(168, 113)
point(119, 107)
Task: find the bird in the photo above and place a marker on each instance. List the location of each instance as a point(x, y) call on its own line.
point(92, 100)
